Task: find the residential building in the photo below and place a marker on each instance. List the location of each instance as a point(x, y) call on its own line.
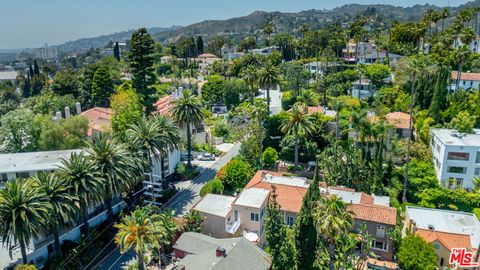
point(25, 165)
point(320, 67)
point(8, 76)
point(249, 211)
point(264, 51)
point(216, 211)
point(98, 120)
point(164, 105)
point(196, 251)
point(467, 81)
point(456, 157)
point(474, 44)
point(362, 89)
point(379, 57)
point(400, 123)
point(444, 230)
point(350, 52)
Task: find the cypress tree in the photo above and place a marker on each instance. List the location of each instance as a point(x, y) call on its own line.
point(305, 231)
point(30, 71)
point(199, 45)
point(36, 70)
point(116, 51)
point(439, 95)
point(102, 87)
point(274, 230)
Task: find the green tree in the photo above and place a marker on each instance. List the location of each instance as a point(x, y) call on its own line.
point(200, 45)
point(24, 212)
point(250, 76)
point(126, 108)
point(439, 99)
point(414, 253)
point(116, 52)
point(305, 230)
point(48, 103)
point(86, 185)
point(236, 174)
point(299, 122)
point(376, 73)
point(269, 157)
point(213, 90)
point(141, 61)
point(214, 186)
point(273, 229)
point(19, 132)
point(66, 82)
point(61, 201)
point(463, 122)
point(102, 87)
point(193, 222)
point(268, 79)
point(187, 111)
point(65, 134)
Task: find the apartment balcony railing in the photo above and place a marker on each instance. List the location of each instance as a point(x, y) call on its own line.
point(232, 227)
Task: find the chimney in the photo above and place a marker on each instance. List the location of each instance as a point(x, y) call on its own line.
point(79, 108)
point(58, 115)
point(220, 252)
point(67, 112)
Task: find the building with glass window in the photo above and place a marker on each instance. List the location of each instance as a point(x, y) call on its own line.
point(456, 157)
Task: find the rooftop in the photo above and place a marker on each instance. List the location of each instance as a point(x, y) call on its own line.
point(33, 161)
point(351, 196)
point(465, 76)
point(218, 205)
point(453, 137)
point(446, 221)
point(449, 240)
point(399, 119)
point(253, 197)
point(98, 119)
point(379, 55)
point(163, 105)
point(201, 253)
point(375, 213)
point(8, 75)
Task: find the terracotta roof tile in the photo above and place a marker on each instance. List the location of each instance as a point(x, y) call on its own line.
point(98, 119)
point(163, 105)
point(375, 213)
point(466, 76)
point(315, 109)
point(449, 240)
point(399, 119)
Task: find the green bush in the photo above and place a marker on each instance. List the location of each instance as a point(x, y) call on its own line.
point(185, 172)
point(288, 98)
point(269, 157)
point(476, 211)
point(235, 174)
point(414, 253)
point(294, 168)
point(458, 199)
point(214, 186)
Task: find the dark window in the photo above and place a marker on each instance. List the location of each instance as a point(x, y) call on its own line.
point(3, 177)
point(462, 170)
point(23, 175)
point(477, 160)
point(458, 156)
point(254, 217)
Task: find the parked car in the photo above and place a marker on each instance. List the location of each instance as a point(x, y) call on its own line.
point(206, 157)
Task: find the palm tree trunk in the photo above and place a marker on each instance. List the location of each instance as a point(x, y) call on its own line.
point(23, 249)
point(252, 91)
point(56, 242)
point(85, 227)
point(189, 145)
point(268, 99)
point(459, 74)
point(108, 202)
point(405, 181)
point(141, 264)
point(331, 252)
point(296, 145)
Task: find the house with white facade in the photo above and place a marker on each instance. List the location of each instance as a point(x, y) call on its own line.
point(362, 89)
point(474, 44)
point(379, 57)
point(456, 157)
point(466, 81)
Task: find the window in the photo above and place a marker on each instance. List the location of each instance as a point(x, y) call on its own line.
point(254, 217)
point(477, 171)
point(290, 221)
point(381, 231)
point(379, 245)
point(23, 175)
point(3, 177)
point(235, 215)
point(458, 156)
point(477, 160)
point(453, 169)
point(436, 246)
point(261, 214)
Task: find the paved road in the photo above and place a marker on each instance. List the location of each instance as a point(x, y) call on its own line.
point(188, 196)
point(189, 193)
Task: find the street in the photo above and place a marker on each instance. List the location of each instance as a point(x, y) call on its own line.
point(188, 196)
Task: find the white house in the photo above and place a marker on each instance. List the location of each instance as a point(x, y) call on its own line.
point(456, 157)
point(264, 51)
point(363, 48)
point(8, 76)
point(474, 44)
point(362, 89)
point(379, 57)
point(467, 80)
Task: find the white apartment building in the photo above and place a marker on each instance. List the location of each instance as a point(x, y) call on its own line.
point(474, 44)
point(362, 89)
point(467, 81)
point(456, 157)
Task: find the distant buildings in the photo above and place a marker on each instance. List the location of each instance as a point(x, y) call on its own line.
point(264, 51)
point(379, 57)
point(98, 120)
point(8, 76)
point(46, 52)
point(362, 89)
point(474, 44)
point(467, 81)
point(444, 230)
point(350, 52)
point(456, 157)
point(196, 251)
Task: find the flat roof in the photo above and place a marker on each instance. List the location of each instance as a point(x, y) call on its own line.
point(8, 75)
point(253, 197)
point(286, 180)
point(446, 221)
point(453, 137)
point(215, 204)
point(33, 161)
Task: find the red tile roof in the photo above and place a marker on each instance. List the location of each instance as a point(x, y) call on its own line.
point(466, 76)
point(290, 198)
point(98, 119)
point(449, 240)
point(374, 213)
point(163, 105)
point(315, 109)
point(399, 119)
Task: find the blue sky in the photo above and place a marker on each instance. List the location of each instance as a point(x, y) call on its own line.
point(31, 23)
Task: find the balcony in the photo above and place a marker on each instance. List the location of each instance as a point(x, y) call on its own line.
point(232, 227)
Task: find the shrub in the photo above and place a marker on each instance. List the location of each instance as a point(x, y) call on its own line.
point(214, 186)
point(415, 253)
point(236, 174)
point(269, 157)
point(185, 172)
point(25, 267)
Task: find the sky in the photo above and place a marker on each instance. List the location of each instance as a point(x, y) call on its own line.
point(31, 23)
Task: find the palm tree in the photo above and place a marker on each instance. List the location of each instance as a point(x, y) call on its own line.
point(114, 164)
point(268, 79)
point(267, 30)
point(170, 135)
point(443, 16)
point(164, 230)
point(333, 221)
point(79, 172)
point(357, 119)
point(24, 212)
point(250, 76)
point(136, 230)
point(337, 106)
point(298, 122)
point(61, 201)
point(462, 54)
point(304, 28)
point(187, 111)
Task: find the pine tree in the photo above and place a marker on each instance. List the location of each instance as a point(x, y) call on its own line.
point(440, 95)
point(199, 45)
point(141, 62)
point(116, 51)
point(36, 70)
point(305, 231)
point(274, 229)
point(102, 87)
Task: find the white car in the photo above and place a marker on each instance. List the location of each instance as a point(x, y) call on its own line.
point(206, 157)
